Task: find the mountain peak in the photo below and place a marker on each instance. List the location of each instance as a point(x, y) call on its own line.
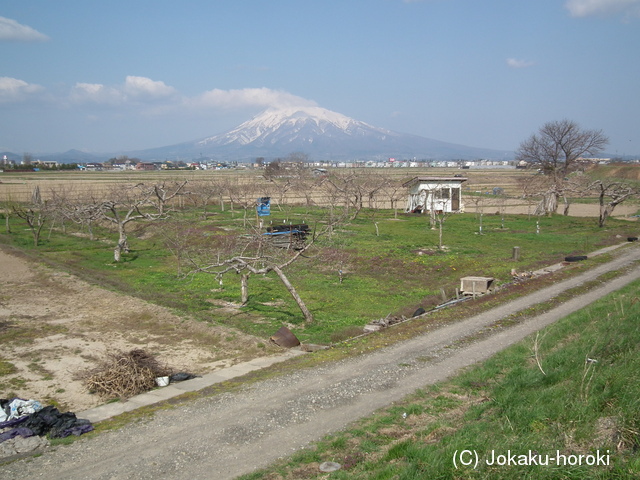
point(320, 133)
point(299, 124)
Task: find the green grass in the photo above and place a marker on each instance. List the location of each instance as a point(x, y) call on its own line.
point(6, 368)
point(394, 272)
point(507, 404)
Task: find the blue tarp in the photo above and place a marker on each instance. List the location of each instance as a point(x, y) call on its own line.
point(263, 206)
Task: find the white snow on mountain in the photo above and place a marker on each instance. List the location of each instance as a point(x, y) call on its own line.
point(319, 133)
point(294, 124)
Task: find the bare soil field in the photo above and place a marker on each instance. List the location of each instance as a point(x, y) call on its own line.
point(518, 207)
point(56, 327)
point(72, 185)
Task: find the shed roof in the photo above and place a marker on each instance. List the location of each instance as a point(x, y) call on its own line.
point(415, 180)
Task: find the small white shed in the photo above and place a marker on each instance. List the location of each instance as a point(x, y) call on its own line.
point(442, 194)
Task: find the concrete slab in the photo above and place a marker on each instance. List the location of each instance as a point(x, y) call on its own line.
point(199, 383)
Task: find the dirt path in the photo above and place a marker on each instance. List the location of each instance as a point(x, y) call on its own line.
point(224, 436)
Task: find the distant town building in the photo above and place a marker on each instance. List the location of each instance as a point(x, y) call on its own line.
point(145, 166)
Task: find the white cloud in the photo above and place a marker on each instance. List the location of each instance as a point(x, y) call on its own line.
point(95, 93)
point(157, 94)
point(134, 90)
point(156, 98)
point(250, 98)
point(15, 90)
point(12, 30)
point(515, 63)
point(585, 8)
point(142, 87)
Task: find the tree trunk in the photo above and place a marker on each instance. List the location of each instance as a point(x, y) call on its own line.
point(567, 204)
point(123, 244)
point(548, 205)
point(244, 288)
point(36, 237)
point(605, 212)
point(305, 311)
point(36, 227)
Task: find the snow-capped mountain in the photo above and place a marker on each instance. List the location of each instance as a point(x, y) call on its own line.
point(319, 133)
point(301, 126)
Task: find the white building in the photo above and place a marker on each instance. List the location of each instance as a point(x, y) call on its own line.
point(442, 194)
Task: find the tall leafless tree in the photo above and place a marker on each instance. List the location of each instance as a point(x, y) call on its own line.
point(558, 150)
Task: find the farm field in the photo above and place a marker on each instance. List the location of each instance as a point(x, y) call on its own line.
point(19, 186)
point(381, 263)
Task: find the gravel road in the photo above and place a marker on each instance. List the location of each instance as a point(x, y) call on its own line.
point(231, 434)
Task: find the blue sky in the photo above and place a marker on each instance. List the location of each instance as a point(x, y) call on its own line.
point(123, 75)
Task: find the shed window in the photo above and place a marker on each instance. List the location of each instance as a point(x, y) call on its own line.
point(443, 193)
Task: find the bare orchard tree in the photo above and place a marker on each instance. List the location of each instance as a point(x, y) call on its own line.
point(532, 187)
point(182, 237)
point(202, 193)
point(166, 191)
point(35, 215)
point(246, 255)
point(394, 192)
point(245, 196)
point(251, 252)
point(335, 256)
point(437, 201)
point(80, 208)
point(84, 214)
point(343, 189)
point(558, 150)
point(6, 211)
point(438, 212)
point(129, 204)
point(290, 177)
point(354, 188)
point(7, 205)
point(610, 195)
point(304, 187)
point(280, 185)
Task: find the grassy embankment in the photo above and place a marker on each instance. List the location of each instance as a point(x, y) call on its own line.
point(568, 392)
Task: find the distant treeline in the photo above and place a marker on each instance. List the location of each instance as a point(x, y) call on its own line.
point(9, 168)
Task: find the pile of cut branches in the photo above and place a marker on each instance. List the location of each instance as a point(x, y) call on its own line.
point(124, 374)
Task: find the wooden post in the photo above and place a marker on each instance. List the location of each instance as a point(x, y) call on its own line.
point(516, 254)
